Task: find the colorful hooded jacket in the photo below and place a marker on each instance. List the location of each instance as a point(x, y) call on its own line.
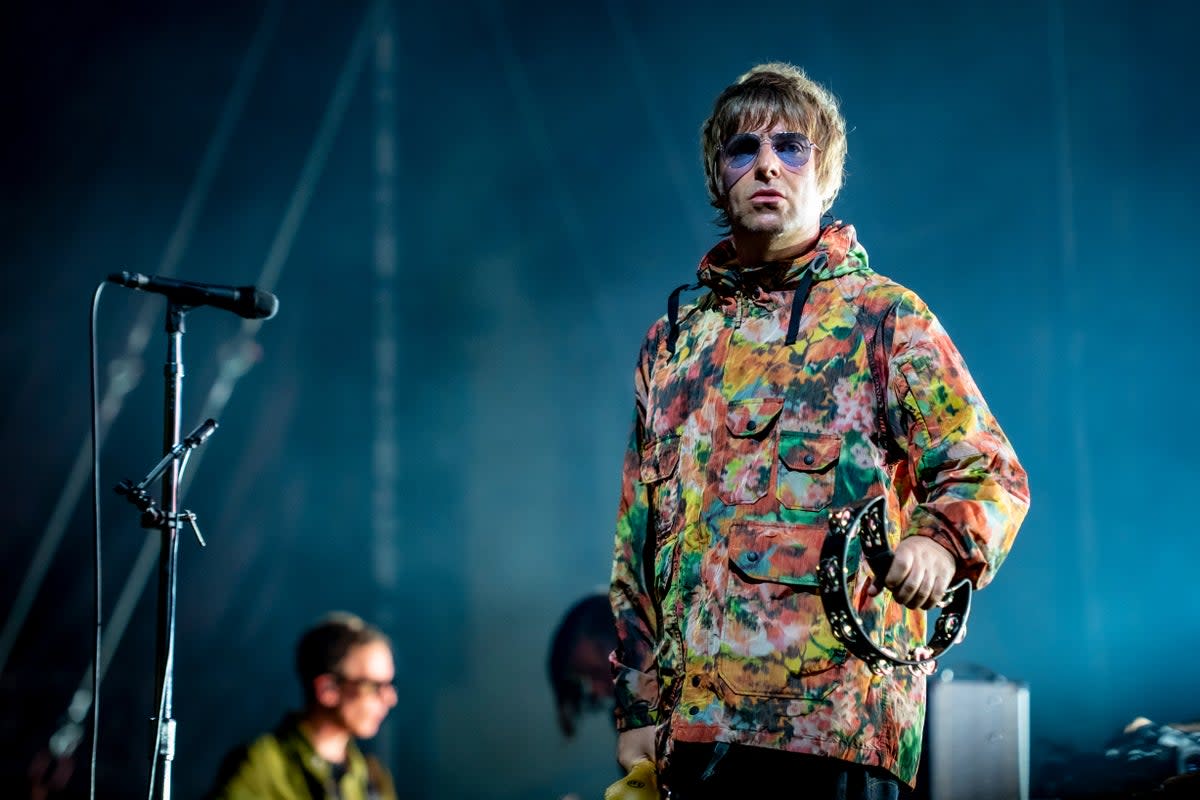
point(741, 445)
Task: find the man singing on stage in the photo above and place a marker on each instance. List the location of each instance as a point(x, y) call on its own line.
point(799, 382)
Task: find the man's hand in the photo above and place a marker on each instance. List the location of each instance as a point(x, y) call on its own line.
point(634, 745)
point(920, 573)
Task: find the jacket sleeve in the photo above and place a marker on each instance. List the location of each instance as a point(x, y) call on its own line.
point(634, 675)
point(971, 493)
point(245, 773)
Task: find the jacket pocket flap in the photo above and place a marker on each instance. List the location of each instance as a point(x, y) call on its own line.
point(659, 459)
point(777, 552)
point(752, 417)
point(808, 452)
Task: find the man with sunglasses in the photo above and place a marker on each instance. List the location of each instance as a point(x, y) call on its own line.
point(800, 382)
point(346, 671)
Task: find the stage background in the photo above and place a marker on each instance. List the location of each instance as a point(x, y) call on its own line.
point(438, 447)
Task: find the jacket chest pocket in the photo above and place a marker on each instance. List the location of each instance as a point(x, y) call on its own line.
point(745, 451)
point(808, 463)
point(659, 474)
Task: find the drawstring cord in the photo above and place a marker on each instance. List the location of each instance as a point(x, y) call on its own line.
point(799, 298)
point(673, 315)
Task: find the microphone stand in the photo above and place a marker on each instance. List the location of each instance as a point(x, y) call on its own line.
point(168, 520)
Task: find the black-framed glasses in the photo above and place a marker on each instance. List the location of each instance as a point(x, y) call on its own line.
point(377, 687)
point(742, 149)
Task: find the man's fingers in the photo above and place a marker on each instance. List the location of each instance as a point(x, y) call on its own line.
point(920, 573)
point(906, 589)
point(634, 745)
point(927, 598)
point(930, 591)
point(922, 588)
point(905, 576)
point(938, 590)
point(899, 572)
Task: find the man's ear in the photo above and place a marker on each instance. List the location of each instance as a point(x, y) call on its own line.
point(326, 690)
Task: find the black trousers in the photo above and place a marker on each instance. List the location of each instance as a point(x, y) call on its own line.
point(708, 772)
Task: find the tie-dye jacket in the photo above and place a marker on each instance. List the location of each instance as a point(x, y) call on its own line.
point(741, 446)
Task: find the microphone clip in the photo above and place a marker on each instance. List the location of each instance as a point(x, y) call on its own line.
point(135, 493)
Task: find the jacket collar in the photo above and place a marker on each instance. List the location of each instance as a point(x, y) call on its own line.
point(836, 252)
point(291, 737)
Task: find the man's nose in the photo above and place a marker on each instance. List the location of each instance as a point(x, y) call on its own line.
point(768, 162)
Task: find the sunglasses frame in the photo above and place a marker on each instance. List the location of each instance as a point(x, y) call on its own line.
point(377, 687)
point(776, 139)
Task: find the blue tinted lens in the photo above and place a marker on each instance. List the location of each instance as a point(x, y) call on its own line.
point(793, 149)
point(741, 150)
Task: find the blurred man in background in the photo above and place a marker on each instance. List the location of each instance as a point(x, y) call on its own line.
point(346, 670)
point(578, 665)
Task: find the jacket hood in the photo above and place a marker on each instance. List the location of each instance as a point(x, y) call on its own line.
point(837, 252)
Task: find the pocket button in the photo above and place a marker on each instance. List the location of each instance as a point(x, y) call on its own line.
point(808, 459)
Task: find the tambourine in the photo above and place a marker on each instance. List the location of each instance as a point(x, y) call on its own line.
point(869, 523)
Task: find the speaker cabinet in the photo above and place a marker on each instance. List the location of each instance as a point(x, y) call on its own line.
point(978, 740)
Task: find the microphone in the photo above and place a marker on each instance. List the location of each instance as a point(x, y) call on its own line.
point(245, 301)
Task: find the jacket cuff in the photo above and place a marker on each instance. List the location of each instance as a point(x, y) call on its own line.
point(636, 696)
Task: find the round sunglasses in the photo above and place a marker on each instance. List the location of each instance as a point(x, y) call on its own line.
point(741, 150)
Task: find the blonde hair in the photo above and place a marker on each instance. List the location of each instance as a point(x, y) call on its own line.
point(771, 93)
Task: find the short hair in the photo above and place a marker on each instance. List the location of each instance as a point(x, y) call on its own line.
point(770, 93)
point(324, 646)
point(589, 618)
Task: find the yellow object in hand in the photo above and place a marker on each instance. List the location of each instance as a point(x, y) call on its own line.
point(640, 784)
